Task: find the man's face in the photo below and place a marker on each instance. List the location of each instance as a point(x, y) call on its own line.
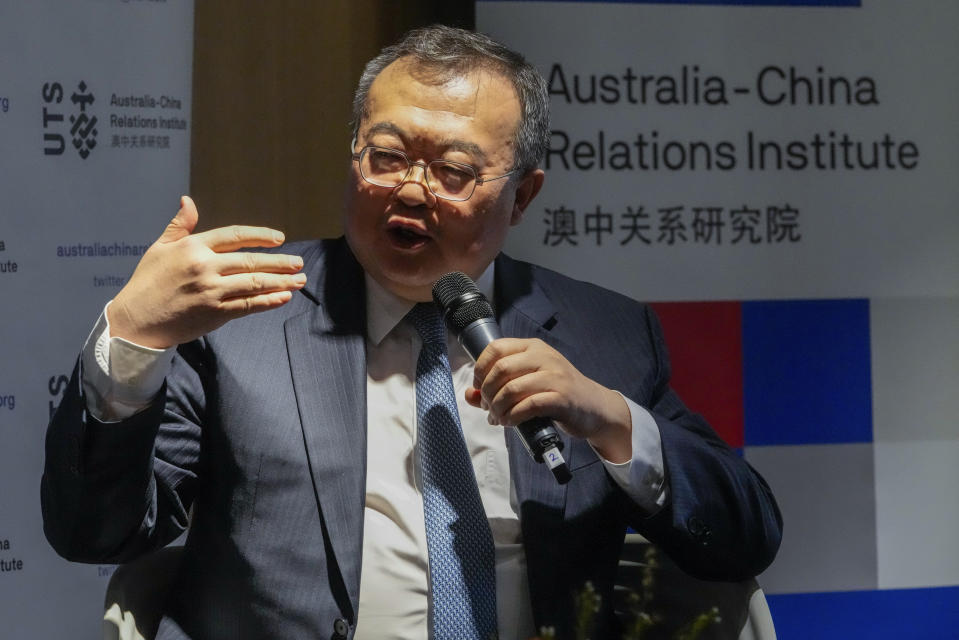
point(405, 237)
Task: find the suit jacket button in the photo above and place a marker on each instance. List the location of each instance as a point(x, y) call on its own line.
point(341, 627)
point(698, 529)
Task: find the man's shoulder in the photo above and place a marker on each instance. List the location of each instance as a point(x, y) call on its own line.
point(564, 290)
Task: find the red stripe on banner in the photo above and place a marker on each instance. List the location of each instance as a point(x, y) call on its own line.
point(705, 341)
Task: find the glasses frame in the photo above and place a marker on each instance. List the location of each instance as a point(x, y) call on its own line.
point(477, 179)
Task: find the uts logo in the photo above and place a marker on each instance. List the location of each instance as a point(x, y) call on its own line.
point(83, 123)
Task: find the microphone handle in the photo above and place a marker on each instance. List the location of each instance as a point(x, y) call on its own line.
point(478, 334)
point(538, 435)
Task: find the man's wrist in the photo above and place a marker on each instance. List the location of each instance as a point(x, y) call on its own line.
point(120, 377)
point(613, 441)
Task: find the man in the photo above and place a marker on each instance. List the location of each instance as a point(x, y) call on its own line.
point(293, 434)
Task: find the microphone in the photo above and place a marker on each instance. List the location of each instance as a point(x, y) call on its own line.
point(469, 315)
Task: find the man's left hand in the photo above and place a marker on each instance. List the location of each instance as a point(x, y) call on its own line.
point(519, 379)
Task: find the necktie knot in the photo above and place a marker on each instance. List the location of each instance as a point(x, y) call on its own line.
point(426, 319)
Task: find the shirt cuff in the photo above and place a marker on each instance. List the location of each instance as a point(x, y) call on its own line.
point(120, 377)
point(642, 477)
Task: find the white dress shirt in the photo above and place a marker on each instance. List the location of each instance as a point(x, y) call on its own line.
point(121, 378)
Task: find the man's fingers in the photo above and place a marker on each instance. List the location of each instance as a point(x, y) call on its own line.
point(505, 369)
point(253, 304)
point(474, 397)
point(183, 223)
point(243, 285)
point(243, 262)
point(493, 353)
point(546, 403)
point(517, 390)
point(224, 239)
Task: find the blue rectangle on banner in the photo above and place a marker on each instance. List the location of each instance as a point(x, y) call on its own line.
point(806, 372)
point(930, 614)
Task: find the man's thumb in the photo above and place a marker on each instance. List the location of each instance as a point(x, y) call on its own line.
point(183, 222)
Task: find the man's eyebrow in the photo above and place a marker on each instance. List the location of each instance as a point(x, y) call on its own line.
point(386, 127)
point(470, 148)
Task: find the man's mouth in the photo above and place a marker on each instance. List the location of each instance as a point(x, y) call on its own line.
point(406, 237)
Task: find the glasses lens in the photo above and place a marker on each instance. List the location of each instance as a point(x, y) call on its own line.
point(451, 180)
point(383, 167)
point(389, 168)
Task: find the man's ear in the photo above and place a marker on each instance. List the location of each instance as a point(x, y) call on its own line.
point(529, 185)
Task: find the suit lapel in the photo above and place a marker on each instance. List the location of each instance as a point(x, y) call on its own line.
point(326, 347)
point(524, 311)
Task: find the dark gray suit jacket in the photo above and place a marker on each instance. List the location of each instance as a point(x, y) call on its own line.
point(261, 430)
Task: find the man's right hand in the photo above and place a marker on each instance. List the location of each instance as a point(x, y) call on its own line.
point(187, 284)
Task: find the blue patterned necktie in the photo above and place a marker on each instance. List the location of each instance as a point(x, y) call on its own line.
point(461, 553)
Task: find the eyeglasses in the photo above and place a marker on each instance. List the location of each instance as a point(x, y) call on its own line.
point(448, 180)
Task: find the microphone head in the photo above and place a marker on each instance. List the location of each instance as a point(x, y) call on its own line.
point(451, 286)
point(461, 301)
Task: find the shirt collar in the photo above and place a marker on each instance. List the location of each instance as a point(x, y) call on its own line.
point(384, 310)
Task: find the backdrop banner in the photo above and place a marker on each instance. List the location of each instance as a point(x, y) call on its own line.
point(779, 178)
point(95, 131)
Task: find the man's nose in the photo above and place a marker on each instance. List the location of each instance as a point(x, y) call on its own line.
point(414, 191)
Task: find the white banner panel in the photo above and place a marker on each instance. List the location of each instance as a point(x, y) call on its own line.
point(95, 131)
point(730, 152)
point(782, 177)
